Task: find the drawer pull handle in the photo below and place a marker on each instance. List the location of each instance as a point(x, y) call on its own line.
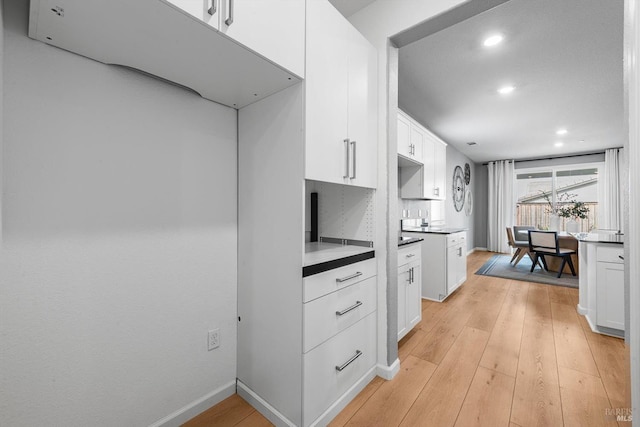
point(353, 276)
point(411, 255)
point(348, 309)
point(621, 257)
point(349, 362)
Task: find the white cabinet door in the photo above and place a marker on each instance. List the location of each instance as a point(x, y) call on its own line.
point(326, 93)
point(341, 101)
point(403, 280)
point(411, 138)
point(275, 28)
point(333, 367)
point(413, 295)
point(610, 295)
point(200, 9)
point(418, 135)
point(463, 262)
point(362, 111)
point(405, 147)
point(429, 164)
point(439, 170)
point(452, 269)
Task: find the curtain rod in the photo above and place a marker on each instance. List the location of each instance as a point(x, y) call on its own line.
point(557, 157)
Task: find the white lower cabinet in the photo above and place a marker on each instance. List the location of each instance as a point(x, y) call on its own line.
point(333, 367)
point(610, 287)
point(409, 288)
point(339, 334)
point(444, 256)
point(456, 261)
point(326, 316)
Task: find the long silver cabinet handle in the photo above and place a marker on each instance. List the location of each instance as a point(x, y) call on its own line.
point(229, 20)
point(410, 255)
point(349, 362)
point(346, 149)
point(354, 159)
point(353, 276)
point(212, 9)
point(348, 309)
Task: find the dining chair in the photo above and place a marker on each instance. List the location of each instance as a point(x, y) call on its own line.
point(522, 248)
point(520, 233)
point(543, 243)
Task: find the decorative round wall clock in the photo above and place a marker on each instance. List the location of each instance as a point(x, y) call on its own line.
point(458, 188)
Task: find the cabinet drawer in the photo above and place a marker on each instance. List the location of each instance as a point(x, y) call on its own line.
point(455, 239)
point(409, 253)
point(323, 382)
point(330, 281)
point(610, 254)
point(321, 320)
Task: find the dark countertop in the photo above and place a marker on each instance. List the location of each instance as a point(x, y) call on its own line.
point(600, 237)
point(408, 240)
point(322, 256)
point(434, 230)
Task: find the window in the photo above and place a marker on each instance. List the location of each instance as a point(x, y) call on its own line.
point(543, 192)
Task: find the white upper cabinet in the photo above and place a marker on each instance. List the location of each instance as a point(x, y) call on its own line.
point(425, 176)
point(435, 162)
point(273, 28)
point(405, 148)
point(179, 41)
point(411, 138)
point(341, 100)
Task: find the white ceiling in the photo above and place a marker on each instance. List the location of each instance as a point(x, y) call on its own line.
point(564, 57)
point(349, 7)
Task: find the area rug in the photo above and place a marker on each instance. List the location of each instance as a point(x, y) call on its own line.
point(499, 266)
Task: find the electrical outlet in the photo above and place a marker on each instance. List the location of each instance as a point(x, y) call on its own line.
point(213, 339)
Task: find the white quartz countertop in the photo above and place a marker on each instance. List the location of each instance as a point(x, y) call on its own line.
point(319, 252)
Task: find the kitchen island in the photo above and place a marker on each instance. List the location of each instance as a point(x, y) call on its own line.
point(444, 257)
point(601, 286)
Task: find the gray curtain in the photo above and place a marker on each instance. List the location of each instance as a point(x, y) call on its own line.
point(612, 212)
point(501, 205)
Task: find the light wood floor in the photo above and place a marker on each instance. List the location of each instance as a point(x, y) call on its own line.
point(496, 353)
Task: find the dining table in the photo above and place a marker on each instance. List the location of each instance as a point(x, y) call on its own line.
point(567, 241)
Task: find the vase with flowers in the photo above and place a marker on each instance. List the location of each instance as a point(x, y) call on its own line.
point(566, 207)
point(573, 211)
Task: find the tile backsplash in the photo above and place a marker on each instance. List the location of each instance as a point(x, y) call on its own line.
point(431, 211)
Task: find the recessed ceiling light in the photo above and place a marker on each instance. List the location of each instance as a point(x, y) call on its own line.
point(505, 90)
point(561, 132)
point(472, 143)
point(493, 40)
point(559, 144)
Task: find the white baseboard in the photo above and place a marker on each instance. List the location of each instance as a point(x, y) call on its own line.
point(196, 407)
point(388, 372)
point(479, 249)
point(280, 420)
point(269, 412)
point(581, 310)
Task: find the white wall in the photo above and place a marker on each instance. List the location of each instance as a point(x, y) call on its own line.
point(452, 217)
point(119, 241)
point(377, 22)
